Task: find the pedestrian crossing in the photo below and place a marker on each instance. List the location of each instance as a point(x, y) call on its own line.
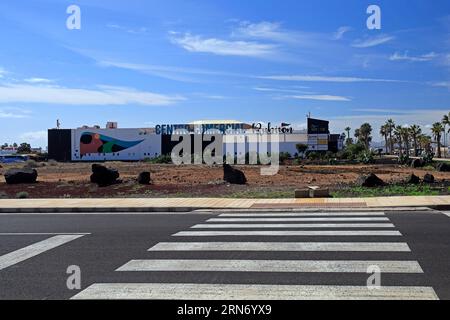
point(321, 245)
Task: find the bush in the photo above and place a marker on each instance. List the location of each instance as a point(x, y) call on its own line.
point(284, 156)
point(353, 151)
point(313, 155)
point(52, 162)
point(427, 157)
point(31, 164)
point(22, 195)
point(404, 159)
point(366, 157)
point(161, 159)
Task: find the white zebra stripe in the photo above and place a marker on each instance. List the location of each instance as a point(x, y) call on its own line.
point(283, 246)
point(292, 225)
point(326, 266)
point(198, 291)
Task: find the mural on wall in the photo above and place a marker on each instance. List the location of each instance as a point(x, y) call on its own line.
point(98, 143)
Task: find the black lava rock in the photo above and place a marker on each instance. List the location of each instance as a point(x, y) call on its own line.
point(233, 176)
point(24, 175)
point(370, 181)
point(417, 163)
point(103, 176)
point(144, 177)
point(443, 167)
point(428, 178)
point(412, 179)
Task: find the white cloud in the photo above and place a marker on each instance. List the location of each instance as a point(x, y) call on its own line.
point(265, 89)
point(33, 136)
point(339, 34)
point(320, 97)
point(444, 84)
point(263, 30)
point(141, 30)
point(104, 95)
point(372, 41)
point(308, 78)
point(2, 72)
point(14, 113)
point(216, 46)
point(406, 57)
point(38, 80)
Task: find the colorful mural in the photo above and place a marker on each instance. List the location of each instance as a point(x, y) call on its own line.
point(98, 143)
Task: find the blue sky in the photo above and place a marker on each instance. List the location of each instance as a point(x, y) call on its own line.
point(143, 63)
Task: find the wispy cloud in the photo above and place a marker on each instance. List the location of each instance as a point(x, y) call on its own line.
point(406, 57)
point(263, 30)
point(308, 78)
point(102, 95)
point(2, 72)
point(38, 80)
point(195, 43)
point(372, 41)
point(168, 72)
point(339, 34)
point(319, 97)
point(14, 113)
point(444, 84)
point(379, 110)
point(32, 136)
point(266, 89)
point(141, 30)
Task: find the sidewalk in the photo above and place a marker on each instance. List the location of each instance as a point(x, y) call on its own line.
point(189, 204)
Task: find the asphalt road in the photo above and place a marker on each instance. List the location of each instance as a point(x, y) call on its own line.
point(272, 256)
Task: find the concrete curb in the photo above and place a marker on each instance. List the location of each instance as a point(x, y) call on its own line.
point(97, 209)
point(208, 210)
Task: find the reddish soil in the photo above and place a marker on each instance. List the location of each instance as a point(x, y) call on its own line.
point(72, 179)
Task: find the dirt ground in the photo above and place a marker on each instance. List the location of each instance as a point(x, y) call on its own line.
point(71, 180)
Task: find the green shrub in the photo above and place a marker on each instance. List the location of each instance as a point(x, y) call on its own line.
point(283, 156)
point(353, 151)
point(313, 155)
point(161, 159)
point(22, 195)
point(31, 164)
point(404, 159)
point(366, 157)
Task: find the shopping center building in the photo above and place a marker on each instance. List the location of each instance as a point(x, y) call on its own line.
point(92, 143)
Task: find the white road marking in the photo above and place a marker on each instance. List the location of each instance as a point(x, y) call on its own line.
point(292, 225)
point(332, 219)
point(342, 266)
point(30, 251)
point(286, 233)
point(283, 246)
point(446, 213)
point(303, 214)
point(41, 233)
point(194, 291)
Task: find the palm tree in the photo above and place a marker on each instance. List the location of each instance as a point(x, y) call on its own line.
point(415, 131)
point(405, 137)
point(399, 137)
point(445, 122)
point(384, 133)
point(366, 131)
point(357, 135)
point(348, 134)
point(390, 126)
point(424, 142)
point(437, 130)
